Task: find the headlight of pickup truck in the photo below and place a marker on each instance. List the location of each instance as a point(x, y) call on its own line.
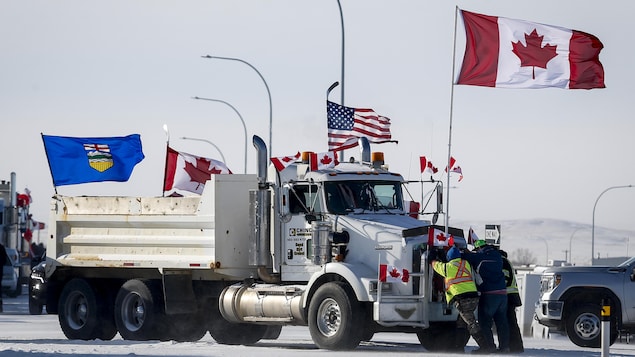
point(549, 282)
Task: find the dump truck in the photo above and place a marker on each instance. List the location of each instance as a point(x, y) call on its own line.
point(334, 248)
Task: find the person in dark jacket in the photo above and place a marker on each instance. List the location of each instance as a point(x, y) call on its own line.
point(461, 291)
point(3, 261)
point(513, 301)
point(492, 307)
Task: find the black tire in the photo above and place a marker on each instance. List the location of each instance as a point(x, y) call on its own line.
point(139, 312)
point(186, 327)
point(229, 333)
point(273, 332)
point(584, 326)
point(443, 337)
point(336, 318)
point(82, 315)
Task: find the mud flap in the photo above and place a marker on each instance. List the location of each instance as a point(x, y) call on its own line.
point(178, 292)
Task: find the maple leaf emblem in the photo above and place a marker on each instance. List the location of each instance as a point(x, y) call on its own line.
point(394, 272)
point(200, 172)
point(326, 160)
point(534, 55)
point(441, 237)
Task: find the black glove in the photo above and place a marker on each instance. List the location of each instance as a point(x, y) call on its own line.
point(432, 254)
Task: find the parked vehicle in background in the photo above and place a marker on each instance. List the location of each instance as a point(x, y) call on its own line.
point(10, 285)
point(22, 265)
point(571, 298)
point(13, 254)
point(37, 289)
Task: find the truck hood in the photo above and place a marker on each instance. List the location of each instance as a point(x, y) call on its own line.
point(583, 270)
point(395, 224)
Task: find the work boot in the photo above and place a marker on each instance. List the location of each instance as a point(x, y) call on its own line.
point(460, 341)
point(485, 346)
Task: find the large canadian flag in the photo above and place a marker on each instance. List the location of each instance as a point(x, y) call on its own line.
point(189, 172)
point(508, 53)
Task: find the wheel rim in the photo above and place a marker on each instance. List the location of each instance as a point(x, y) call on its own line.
point(76, 310)
point(587, 326)
point(133, 312)
point(329, 317)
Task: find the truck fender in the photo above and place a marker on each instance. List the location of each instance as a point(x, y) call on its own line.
point(357, 276)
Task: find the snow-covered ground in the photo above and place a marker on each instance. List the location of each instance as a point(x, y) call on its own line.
point(24, 335)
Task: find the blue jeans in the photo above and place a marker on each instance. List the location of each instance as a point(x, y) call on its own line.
point(492, 308)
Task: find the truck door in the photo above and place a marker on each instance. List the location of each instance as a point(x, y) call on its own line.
point(303, 200)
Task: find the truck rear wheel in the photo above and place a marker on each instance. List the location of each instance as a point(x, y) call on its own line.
point(138, 314)
point(187, 327)
point(336, 318)
point(83, 314)
point(584, 326)
point(229, 333)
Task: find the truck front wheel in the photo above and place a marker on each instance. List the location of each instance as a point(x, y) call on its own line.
point(336, 318)
point(584, 327)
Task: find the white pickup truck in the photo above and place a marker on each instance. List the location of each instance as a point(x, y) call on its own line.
point(571, 300)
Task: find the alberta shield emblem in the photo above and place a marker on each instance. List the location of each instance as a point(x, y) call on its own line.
point(99, 157)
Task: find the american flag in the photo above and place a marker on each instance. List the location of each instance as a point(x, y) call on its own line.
point(346, 124)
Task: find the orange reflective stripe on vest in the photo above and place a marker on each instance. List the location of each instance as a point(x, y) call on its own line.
point(462, 274)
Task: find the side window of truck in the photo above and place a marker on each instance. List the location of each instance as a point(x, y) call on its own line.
point(304, 199)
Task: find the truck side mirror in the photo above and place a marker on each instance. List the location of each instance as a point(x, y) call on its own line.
point(633, 274)
point(285, 212)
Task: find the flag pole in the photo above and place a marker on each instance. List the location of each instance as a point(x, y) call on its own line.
point(447, 195)
point(49, 162)
point(167, 153)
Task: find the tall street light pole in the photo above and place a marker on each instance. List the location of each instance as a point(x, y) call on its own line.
point(268, 93)
point(209, 142)
point(339, 5)
point(593, 222)
point(570, 239)
point(241, 120)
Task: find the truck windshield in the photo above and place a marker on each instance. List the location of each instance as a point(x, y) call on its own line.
point(343, 197)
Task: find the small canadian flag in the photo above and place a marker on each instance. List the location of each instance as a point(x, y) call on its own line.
point(393, 274)
point(438, 238)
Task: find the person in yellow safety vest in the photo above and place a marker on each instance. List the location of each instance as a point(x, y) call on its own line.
point(461, 291)
point(513, 301)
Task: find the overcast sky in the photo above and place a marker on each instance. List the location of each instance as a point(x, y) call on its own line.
point(112, 68)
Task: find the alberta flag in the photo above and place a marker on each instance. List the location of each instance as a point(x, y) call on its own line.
point(80, 160)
